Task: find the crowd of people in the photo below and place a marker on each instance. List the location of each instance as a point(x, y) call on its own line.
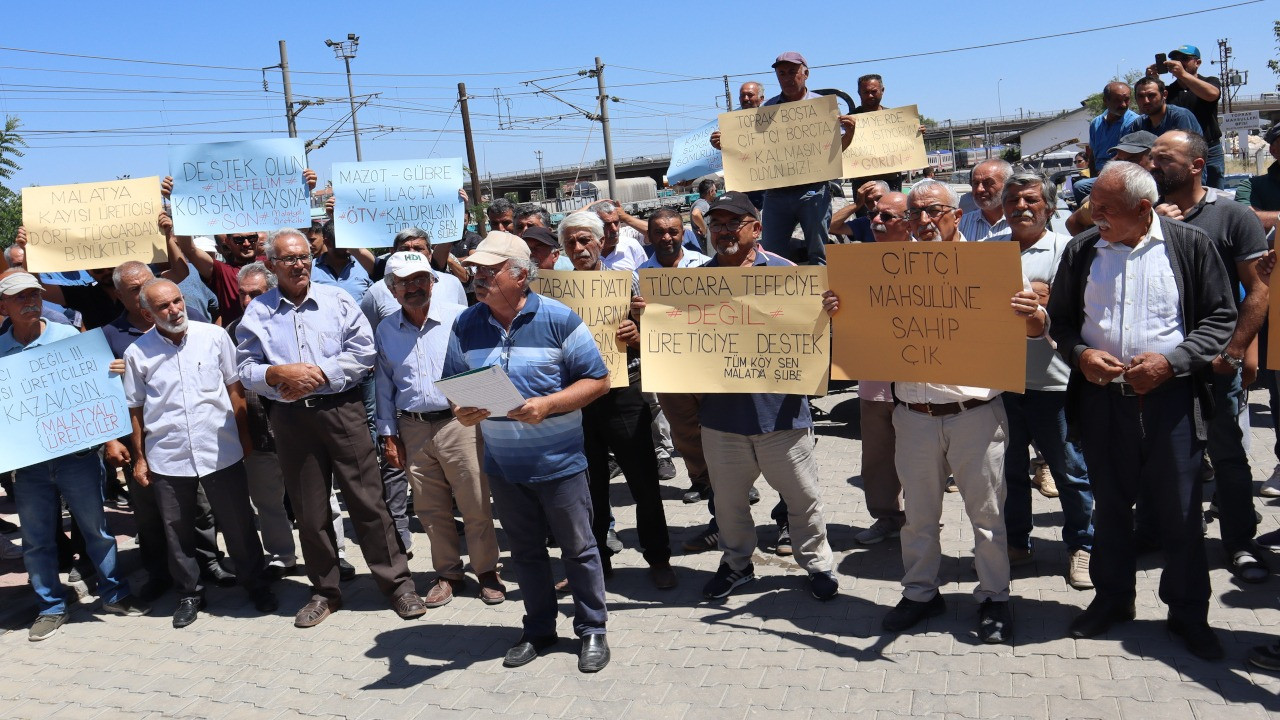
point(265, 377)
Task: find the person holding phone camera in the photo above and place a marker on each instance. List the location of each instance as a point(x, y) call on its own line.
point(1200, 95)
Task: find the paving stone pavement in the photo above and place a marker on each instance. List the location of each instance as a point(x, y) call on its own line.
point(767, 650)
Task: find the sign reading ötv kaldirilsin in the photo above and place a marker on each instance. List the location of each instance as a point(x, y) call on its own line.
point(928, 312)
point(603, 300)
point(92, 225)
point(718, 330)
point(781, 145)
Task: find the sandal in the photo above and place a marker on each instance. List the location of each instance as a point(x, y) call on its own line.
point(1248, 568)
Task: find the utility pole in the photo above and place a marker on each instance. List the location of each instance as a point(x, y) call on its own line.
point(1224, 74)
point(608, 139)
point(288, 91)
point(471, 150)
point(728, 99)
point(346, 51)
point(542, 183)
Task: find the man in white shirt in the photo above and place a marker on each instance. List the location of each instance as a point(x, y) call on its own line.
point(191, 430)
point(987, 182)
point(621, 248)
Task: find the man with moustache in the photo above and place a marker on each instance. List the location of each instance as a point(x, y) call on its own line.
point(421, 437)
point(1179, 158)
point(308, 347)
point(190, 431)
point(1158, 116)
point(544, 248)
point(1039, 414)
point(986, 181)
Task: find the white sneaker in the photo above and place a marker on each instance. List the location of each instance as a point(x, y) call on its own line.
point(1078, 570)
point(9, 550)
point(1271, 488)
point(879, 531)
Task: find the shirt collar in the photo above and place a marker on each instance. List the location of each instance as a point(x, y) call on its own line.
point(122, 324)
point(1045, 243)
point(1154, 234)
point(280, 300)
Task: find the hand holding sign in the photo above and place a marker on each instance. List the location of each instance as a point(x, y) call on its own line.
point(239, 186)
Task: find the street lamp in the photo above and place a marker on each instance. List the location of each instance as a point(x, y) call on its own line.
point(541, 182)
point(346, 51)
point(999, 102)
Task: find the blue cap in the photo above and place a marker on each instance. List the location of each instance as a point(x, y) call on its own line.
point(1188, 50)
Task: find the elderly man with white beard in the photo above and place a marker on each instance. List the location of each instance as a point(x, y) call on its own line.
point(987, 182)
point(191, 430)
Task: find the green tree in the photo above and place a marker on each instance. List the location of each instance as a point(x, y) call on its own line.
point(11, 144)
point(1275, 64)
point(10, 215)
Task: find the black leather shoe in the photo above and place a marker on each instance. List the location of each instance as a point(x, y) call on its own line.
point(594, 654)
point(188, 609)
point(346, 571)
point(1099, 616)
point(1199, 638)
point(910, 612)
point(218, 575)
point(265, 602)
point(526, 649)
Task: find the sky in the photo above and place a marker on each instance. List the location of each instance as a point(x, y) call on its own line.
point(96, 117)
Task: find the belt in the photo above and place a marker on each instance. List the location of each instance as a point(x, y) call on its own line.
point(428, 417)
point(326, 401)
point(1122, 388)
point(944, 409)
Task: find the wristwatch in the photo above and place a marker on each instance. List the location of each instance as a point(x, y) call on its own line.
point(1234, 362)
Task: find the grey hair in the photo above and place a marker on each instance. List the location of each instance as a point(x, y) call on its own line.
point(126, 269)
point(1002, 166)
point(924, 186)
point(581, 220)
point(257, 268)
point(1137, 184)
point(1048, 190)
point(8, 254)
point(142, 298)
point(500, 206)
point(408, 234)
point(524, 210)
point(282, 232)
point(882, 185)
point(528, 266)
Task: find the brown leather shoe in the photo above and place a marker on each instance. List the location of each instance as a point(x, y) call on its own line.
point(408, 605)
point(441, 592)
point(492, 591)
point(315, 611)
point(663, 577)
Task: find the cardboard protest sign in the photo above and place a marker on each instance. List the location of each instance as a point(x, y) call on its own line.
point(1273, 332)
point(886, 141)
point(928, 312)
point(58, 399)
point(692, 155)
point(742, 330)
point(92, 225)
point(781, 145)
point(375, 200)
point(603, 300)
point(242, 186)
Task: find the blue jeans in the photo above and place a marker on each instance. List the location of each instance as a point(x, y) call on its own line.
point(1040, 416)
point(1215, 166)
point(1082, 188)
point(528, 510)
point(79, 478)
point(809, 205)
point(1231, 465)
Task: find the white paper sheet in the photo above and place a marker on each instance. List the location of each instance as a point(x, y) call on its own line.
point(487, 388)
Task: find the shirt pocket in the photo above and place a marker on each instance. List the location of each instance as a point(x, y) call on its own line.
point(1161, 301)
point(209, 376)
point(330, 344)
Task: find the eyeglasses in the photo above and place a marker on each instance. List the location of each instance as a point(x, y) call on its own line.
point(729, 227)
point(409, 282)
point(242, 239)
point(294, 260)
point(489, 270)
point(886, 216)
point(932, 211)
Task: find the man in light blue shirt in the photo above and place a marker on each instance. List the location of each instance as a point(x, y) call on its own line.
point(190, 431)
point(309, 347)
point(335, 266)
point(421, 436)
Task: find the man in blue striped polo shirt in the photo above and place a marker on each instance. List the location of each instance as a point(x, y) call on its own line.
point(534, 456)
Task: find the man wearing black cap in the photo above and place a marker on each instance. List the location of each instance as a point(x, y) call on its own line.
point(1135, 148)
point(1200, 95)
point(544, 249)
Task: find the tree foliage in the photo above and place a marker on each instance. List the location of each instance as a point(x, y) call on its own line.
point(11, 147)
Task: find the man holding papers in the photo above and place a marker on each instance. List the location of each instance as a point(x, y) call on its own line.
point(533, 457)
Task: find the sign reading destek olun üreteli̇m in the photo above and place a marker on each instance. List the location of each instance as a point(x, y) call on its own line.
point(375, 200)
point(793, 143)
point(603, 300)
point(935, 312)
point(240, 186)
point(92, 225)
point(753, 330)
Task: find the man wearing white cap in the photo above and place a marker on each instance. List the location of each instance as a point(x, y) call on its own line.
point(421, 436)
point(76, 476)
point(534, 456)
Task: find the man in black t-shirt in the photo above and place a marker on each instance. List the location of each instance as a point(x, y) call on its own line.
point(1200, 95)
